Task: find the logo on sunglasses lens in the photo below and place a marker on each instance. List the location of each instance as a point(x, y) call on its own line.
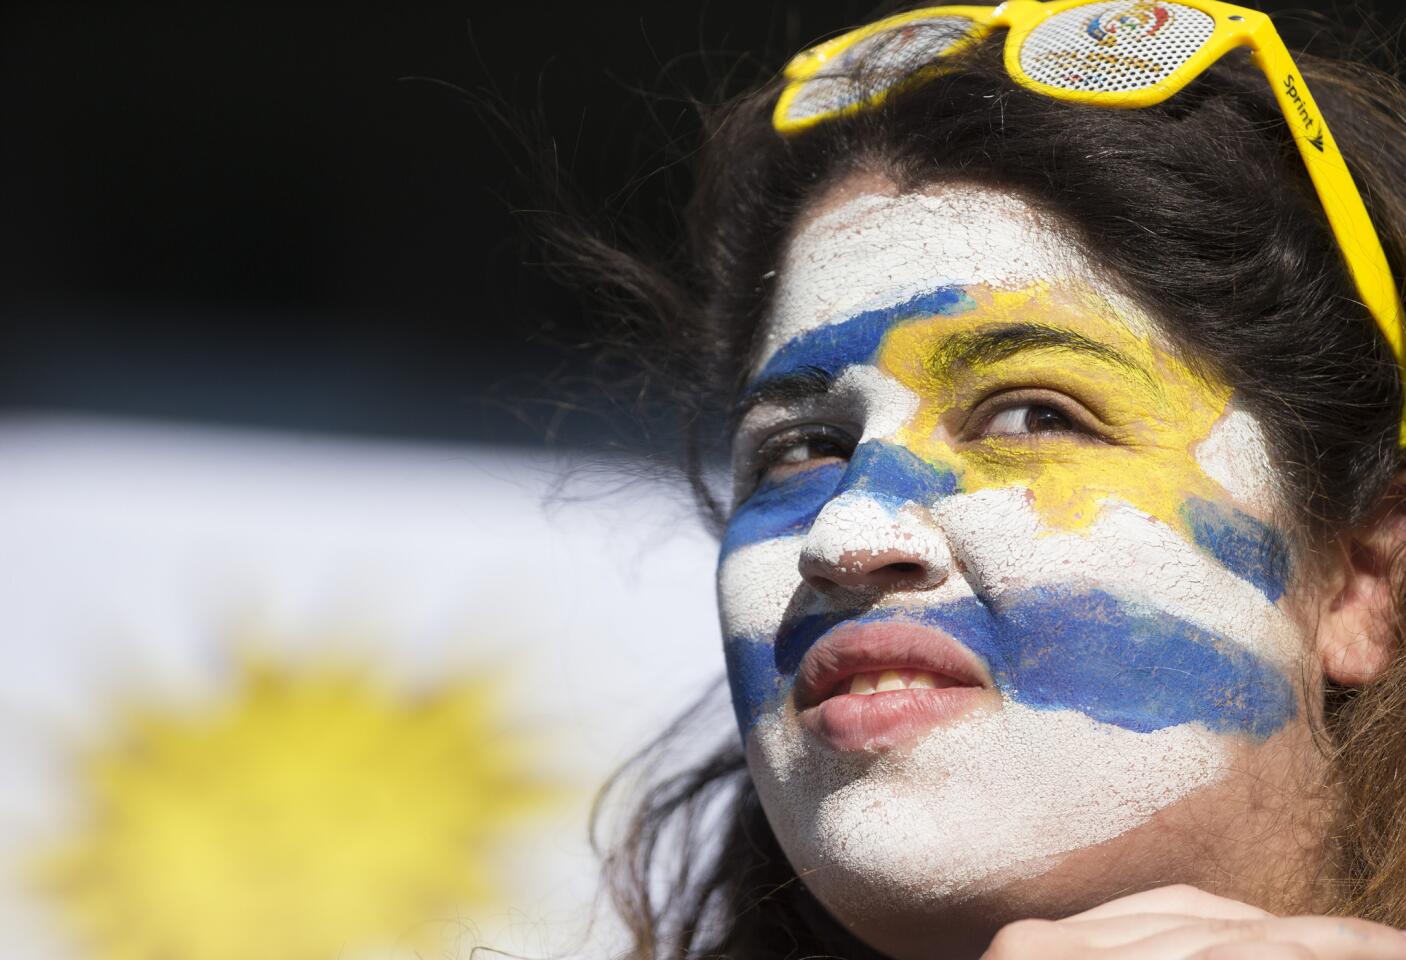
point(1136, 21)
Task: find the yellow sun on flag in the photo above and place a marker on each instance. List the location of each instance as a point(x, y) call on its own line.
point(310, 814)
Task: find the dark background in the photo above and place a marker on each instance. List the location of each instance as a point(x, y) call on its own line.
point(251, 214)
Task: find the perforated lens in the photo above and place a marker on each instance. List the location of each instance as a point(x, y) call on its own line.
point(1114, 47)
point(869, 67)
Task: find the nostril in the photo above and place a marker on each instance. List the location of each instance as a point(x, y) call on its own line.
point(868, 570)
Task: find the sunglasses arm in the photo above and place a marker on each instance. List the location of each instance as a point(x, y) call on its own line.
point(1342, 202)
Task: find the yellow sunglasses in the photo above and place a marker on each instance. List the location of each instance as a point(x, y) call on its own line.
point(1124, 53)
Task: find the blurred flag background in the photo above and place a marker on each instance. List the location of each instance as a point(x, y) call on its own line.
point(291, 697)
point(324, 610)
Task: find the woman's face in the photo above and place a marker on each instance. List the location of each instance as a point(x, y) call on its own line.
point(1003, 598)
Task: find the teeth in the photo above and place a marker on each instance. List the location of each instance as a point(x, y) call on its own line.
point(865, 684)
point(889, 680)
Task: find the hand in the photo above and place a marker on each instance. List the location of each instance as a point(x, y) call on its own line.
point(1184, 923)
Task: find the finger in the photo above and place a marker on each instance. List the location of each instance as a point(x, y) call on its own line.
point(1108, 932)
point(1030, 938)
point(1179, 898)
point(1256, 951)
point(1326, 938)
point(1033, 938)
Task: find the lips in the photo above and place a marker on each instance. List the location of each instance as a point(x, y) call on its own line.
point(898, 660)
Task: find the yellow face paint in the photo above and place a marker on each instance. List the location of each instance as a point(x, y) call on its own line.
point(1150, 406)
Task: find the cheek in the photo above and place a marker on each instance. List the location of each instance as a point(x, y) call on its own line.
point(1245, 546)
point(786, 508)
point(758, 579)
point(1121, 663)
point(1127, 621)
point(757, 583)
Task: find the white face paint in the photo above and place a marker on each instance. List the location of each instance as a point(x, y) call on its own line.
point(878, 250)
point(1116, 583)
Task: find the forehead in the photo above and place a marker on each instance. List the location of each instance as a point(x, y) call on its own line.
point(864, 246)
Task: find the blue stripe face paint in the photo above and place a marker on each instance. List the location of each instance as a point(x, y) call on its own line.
point(893, 476)
point(856, 340)
point(752, 678)
point(782, 508)
point(1054, 649)
point(885, 472)
point(1246, 547)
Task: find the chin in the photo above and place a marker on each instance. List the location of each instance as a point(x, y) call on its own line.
point(961, 928)
point(1005, 813)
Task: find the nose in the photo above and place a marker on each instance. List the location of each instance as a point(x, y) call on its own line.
point(858, 546)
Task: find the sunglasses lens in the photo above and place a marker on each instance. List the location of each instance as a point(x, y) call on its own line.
point(1114, 47)
point(871, 66)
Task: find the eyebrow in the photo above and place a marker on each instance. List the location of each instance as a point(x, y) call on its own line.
point(1000, 342)
point(802, 383)
point(970, 348)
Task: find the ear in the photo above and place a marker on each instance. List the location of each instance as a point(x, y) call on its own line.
point(1357, 629)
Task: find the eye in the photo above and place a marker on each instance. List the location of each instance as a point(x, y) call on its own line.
point(1028, 418)
point(797, 449)
point(1031, 413)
